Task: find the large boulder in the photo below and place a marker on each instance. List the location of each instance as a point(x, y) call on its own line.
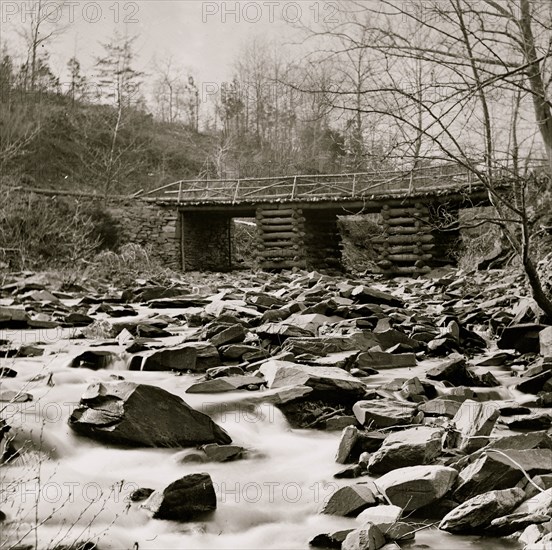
point(502, 469)
point(124, 413)
point(410, 447)
point(416, 486)
point(478, 512)
point(183, 500)
point(474, 421)
point(190, 356)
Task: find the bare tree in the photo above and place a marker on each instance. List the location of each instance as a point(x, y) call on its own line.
point(42, 27)
point(478, 67)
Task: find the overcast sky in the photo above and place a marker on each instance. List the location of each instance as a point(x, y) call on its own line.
point(204, 36)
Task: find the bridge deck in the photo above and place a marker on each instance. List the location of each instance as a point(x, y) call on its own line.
point(314, 188)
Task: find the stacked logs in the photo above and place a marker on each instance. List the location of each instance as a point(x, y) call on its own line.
point(405, 246)
point(280, 237)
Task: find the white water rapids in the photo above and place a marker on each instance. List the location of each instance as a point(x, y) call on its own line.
point(269, 500)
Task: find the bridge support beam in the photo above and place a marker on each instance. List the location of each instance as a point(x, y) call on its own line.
point(206, 241)
point(280, 237)
point(406, 244)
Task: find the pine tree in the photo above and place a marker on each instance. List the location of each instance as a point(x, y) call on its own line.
point(119, 81)
point(78, 80)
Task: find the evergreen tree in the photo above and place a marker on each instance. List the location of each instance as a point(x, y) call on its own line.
point(120, 82)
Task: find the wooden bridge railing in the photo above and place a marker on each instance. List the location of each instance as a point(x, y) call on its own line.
point(313, 187)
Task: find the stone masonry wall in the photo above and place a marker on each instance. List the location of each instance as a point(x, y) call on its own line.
point(155, 227)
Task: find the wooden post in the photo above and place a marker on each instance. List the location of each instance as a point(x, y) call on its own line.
point(236, 191)
point(179, 191)
point(294, 189)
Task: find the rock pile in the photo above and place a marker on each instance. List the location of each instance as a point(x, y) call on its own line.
point(444, 439)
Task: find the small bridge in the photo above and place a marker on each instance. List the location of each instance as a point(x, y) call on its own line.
point(296, 216)
point(314, 188)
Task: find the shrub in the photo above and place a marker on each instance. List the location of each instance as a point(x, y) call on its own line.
point(42, 232)
point(123, 268)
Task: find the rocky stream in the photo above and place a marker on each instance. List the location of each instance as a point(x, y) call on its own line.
point(275, 411)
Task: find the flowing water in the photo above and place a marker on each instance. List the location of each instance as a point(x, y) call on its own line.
point(270, 500)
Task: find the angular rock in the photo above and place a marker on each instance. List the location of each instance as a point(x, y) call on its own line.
point(500, 470)
point(478, 512)
point(181, 358)
point(350, 472)
point(14, 396)
point(285, 373)
point(330, 540)
point(536, 421)
point(94, 359)
point(413, 390)
point(366, 295)
point(474, 421)
point(226, 384)
point(11, 317)
point(368, 537)
point(440, 406)
point(416, 486)
point(521, 442)
point(350, 500)
point(140, 494)
point(277, 332)
point(392, 337)
point(382, 360)
point(523, 338)
point(384, 413)
point(237, 351)
point(535, 384)
point(76, 319)
point(6, 372)
point(349, 437)
point(340, 422)
point(185, 499)
point(545, 342)
point(411, 447)
point(124, 413)
point(454, 370)
point(537, 509)
point(223, 453)
point(221, 372)
point(322, 345)
point(384, 514)
point(230, 335)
